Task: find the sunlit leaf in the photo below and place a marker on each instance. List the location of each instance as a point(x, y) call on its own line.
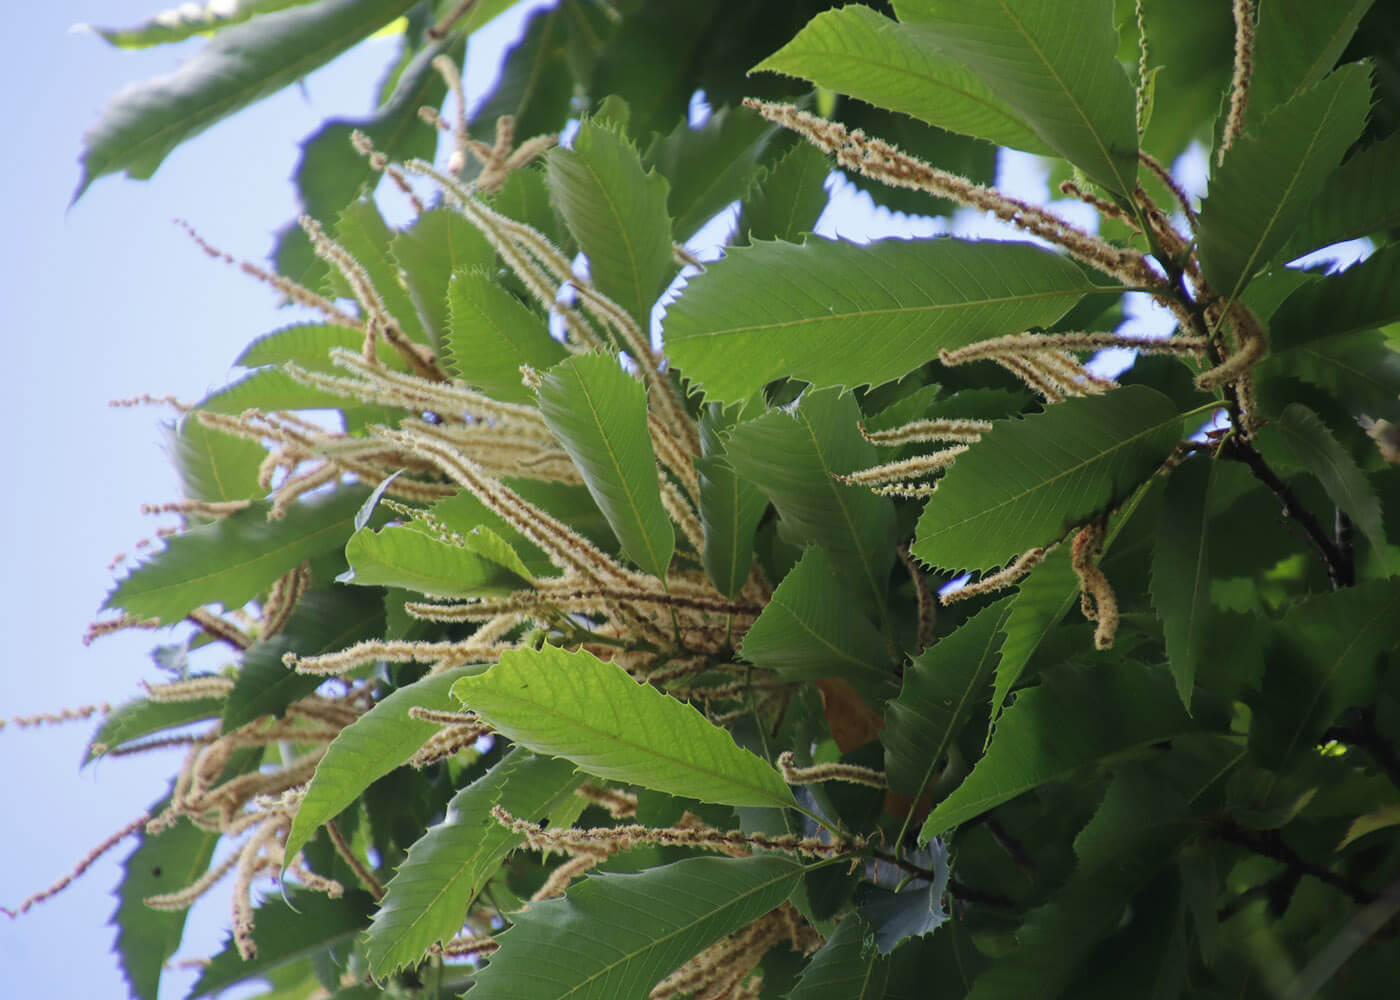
point(1031, 479)
point(231, 561)
point(576, 706)
point(428, 898)
point(491, 333)
point(140, 717)
point(599, 414)
point(617, 212)
point(856, 51)
point(403, 556)
point(834, 313)
point(1055, 65)
point(188, 20)
point(362, 231)
point(616, 936)
point(439, 244)
point(214, 466)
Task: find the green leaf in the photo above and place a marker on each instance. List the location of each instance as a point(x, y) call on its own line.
point(576, 706)
point(617, 936)
point(310, 345)
point(730, 509)
point(140, 717)
point(212, 465)
point(1055, 65)
point(1116, 708)
point(787, 201)
point(439, 244)
point(1363, 297)
point(534, 86)
point(1360, 370)
point(146, 938)
point(599, 414)
point(188, 20)
point(364, 234)
point(404, 556)
point(616, 211)
point(304, 924)
point(810, 629)
point(1323, 659)
point(1031, 479)
point(239, 66)
point(856, 51)
point(428, 898)
point(1360, 198)
point(941, 688)
point(847, 967)
point(1041, 602)
point(1312, 445)
point(369, 748)
point(491, 334)
point(1180, 584)
point(834, 313)
point(231, 561)
point(709, 167)
point(1270, 177)
point(324, 620)
point(792, 456)
point(332, 173)
point(1296, 44)
point(271, 389)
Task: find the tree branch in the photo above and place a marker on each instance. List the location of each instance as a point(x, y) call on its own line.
point(1270, 844)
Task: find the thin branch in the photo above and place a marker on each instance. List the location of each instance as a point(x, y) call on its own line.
point(1270, 844)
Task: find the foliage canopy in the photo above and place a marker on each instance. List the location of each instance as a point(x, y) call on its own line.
point(564, 665)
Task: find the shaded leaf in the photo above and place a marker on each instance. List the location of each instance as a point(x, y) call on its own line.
point(323, 621)
point(1296, 44)
point(1360, 370)
point(1312, 445)
point(1055, 65)
point(792, 456)
point(616, 936)
point(369, 748)
point(1180, 583)
point(1117, 709)
point(847, 967)
point(146, 938)
point(576, 706)
point(491, 334)
point(304, 924)
point(428, 898)
point(1360, 197)
point(599, 414)
point(941, 688)
point(1270, 177)
point(1363, 297)
point(616, 210)
point(730, 509)
point(239, 66)
point(913, 912)
point(856, 51)
point(811, 629)
point(709, 167)
point(1381, 819)
point(404, 556)
point(534, 85)
point(140, 717)
point(787, 200)
point(188, 20)
point(834, 313)
point(231, 561)
point(1322, 660)
point(1031, 479)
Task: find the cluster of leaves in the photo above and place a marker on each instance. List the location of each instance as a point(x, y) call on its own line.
point(596, 609)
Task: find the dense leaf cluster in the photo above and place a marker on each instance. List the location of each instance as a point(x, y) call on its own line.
point(567, 668)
